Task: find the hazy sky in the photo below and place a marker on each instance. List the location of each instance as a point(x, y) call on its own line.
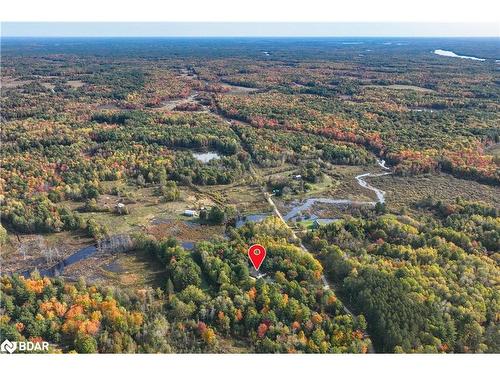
point(94, 29)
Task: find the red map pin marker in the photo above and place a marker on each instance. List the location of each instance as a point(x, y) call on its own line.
point(256, 253)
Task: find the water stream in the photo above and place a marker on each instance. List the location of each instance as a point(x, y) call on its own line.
point(308, 203)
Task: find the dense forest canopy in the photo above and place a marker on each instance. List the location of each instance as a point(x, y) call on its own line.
point(209, 296)
point(424, 283)
point(169, 149)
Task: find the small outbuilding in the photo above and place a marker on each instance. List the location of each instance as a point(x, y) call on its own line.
point(190, 213)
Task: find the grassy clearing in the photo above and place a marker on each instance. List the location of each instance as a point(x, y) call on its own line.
point(245, 194)
point(307, 224)
point(400, 87)
point(347, 187)
point(327, 185)
point(144, 206)
point(247, 199)
point(403, 191)
point(186, 231)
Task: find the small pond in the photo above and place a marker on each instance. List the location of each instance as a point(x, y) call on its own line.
point(187, 245)
point(255, 218)
point(205, 157)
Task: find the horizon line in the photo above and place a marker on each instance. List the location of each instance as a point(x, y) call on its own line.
point(248, 37)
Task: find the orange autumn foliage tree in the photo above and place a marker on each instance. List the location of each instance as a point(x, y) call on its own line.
point(78, 311)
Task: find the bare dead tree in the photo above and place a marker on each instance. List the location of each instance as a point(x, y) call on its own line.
point(36, 243)
point(99, 245)
point(51, 254)
point(124, 242)
point(39, 243)
point(22, 249)
point(115, 243)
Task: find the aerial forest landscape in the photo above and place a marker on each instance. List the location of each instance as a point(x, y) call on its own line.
point(136, 172)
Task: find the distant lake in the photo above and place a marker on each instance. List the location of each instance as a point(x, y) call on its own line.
point(442, 52)
point(205, 157)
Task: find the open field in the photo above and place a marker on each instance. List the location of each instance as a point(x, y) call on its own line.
point(145, 208)
point(400, 87)
point(76, 84)
point(404, 191)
